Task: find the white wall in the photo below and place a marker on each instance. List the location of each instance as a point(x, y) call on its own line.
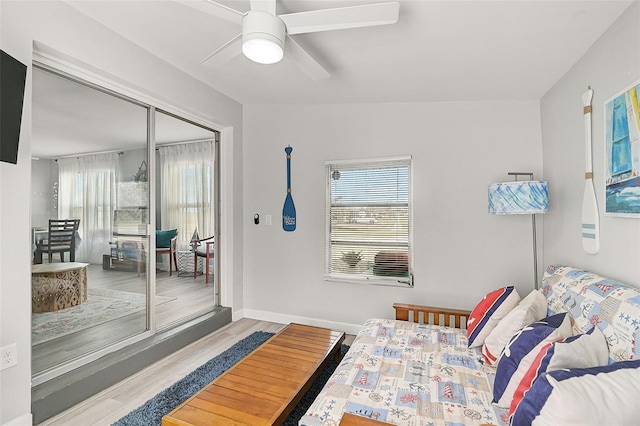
point(461, 251)
point(15, 256)
point(610, 65)
point(60, 27)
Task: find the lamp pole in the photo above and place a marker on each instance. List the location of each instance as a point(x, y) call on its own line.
point(533, 223)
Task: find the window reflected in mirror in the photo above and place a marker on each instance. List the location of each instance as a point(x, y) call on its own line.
point(186, 196)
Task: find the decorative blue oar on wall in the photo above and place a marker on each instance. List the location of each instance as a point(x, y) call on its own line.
point(289, 209)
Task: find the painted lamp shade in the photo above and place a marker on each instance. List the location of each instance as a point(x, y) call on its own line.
point(519, 197)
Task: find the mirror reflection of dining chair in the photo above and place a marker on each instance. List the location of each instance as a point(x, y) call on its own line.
point(202, 248)
point(166, 241)
point(61, 238)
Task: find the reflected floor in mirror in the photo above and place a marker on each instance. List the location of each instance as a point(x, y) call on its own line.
point(114, 310)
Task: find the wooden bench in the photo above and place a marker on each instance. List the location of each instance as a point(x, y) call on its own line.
point(264, 386)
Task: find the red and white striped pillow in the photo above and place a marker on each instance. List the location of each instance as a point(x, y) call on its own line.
point(488, 312)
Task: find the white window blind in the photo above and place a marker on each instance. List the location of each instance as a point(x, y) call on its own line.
point(369, 221)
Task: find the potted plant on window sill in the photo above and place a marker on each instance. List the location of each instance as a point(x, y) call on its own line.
point(352, 258)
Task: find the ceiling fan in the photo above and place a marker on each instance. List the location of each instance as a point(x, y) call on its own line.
point(264, 32)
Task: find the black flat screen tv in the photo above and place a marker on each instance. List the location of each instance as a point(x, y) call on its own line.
point(13, 74)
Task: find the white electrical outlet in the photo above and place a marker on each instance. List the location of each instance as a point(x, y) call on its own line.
point(9, 356)
point(267, 219)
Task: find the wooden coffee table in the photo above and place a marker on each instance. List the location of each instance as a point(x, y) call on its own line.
point(263, 387)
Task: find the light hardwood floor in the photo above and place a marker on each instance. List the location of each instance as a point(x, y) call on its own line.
point(116, 401)
point(188, 297)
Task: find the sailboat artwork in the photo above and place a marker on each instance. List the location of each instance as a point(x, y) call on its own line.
point(622, 139)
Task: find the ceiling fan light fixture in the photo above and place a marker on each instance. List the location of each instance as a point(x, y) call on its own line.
point(262, 49)
point(263, 37)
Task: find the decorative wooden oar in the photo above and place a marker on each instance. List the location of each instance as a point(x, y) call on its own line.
point(289, 209)
point(590, 217)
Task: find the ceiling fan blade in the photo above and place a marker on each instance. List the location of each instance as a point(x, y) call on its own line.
point(264, 5)
point(215, 9)
point(225, 53)
point(310, 66)
point(341, 18)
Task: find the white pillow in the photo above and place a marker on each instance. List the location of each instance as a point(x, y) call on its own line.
point(530, 309)
point(606, 395)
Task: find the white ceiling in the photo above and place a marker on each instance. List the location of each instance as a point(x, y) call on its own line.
point(437, 51)
point(69, 118)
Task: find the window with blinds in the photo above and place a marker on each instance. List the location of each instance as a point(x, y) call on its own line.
point(369, 216)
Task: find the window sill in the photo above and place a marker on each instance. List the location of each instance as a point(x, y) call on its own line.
point(404, 282)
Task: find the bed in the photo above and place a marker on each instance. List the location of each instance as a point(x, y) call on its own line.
point(419, 369)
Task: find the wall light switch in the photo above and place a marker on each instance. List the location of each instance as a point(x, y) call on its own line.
point(267, 219)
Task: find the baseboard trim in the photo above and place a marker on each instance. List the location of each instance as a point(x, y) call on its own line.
point(236, 315)
point(286, 319)
point(24, 420)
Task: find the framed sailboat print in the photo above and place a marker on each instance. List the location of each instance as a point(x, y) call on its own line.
point(622, 153)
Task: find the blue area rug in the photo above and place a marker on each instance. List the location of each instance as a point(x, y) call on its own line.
point(151, 412)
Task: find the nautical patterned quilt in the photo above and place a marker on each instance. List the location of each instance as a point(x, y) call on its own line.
point(409, 374)
point(592, 300)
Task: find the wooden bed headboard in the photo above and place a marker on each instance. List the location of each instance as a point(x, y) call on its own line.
point(431, 315)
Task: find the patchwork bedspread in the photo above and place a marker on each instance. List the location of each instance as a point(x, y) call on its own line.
point(409, 374)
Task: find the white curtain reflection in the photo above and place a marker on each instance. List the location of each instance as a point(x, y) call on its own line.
point(187, 198)
point(88, 193)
